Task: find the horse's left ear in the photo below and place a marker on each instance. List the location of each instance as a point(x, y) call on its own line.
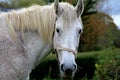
point(79, 7)
point(58, 9)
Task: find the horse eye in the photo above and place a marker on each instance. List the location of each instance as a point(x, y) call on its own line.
point(80, 31)
point(57, 30)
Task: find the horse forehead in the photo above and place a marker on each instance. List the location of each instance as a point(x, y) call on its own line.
point(68, 23)
point(69, 12)
point(69, 18)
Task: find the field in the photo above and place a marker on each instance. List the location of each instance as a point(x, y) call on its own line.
point(95, 65)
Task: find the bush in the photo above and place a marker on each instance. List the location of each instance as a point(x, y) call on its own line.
point(108, 66)
point(21, 3)
point(99, 32)
point(117, 40)
point(26, 3)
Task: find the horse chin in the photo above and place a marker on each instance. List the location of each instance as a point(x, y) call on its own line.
point(67, 76)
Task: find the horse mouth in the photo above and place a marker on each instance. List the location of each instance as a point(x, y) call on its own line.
point(68, 74)
point(67, 77)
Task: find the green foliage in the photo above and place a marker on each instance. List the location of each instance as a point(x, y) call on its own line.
point(4, 5)
point(25, 3)
point(22, 3)
point(108, 66)
point(99, 32)
point(88, 9)
point(117, 39)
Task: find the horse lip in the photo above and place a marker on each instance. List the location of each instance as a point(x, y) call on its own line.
point(68, 72)
point(67, 77)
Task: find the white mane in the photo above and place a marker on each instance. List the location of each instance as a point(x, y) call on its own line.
point(37, 18)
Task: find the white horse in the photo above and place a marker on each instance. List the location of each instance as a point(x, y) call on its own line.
point(30, 34)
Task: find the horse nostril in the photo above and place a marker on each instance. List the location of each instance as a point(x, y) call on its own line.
point(68, 69)
point(75, 67)
point(62, 67)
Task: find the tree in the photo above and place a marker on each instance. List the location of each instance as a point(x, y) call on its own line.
point(99, 32)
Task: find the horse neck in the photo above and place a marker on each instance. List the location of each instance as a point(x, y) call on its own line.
point(36, 47)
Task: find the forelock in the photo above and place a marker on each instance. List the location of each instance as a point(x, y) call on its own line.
point(69, 14)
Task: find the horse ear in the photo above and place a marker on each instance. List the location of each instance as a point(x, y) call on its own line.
point(79, 7)
point(57, 8)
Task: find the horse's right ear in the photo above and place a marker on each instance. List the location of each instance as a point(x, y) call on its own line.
point(57, 8)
